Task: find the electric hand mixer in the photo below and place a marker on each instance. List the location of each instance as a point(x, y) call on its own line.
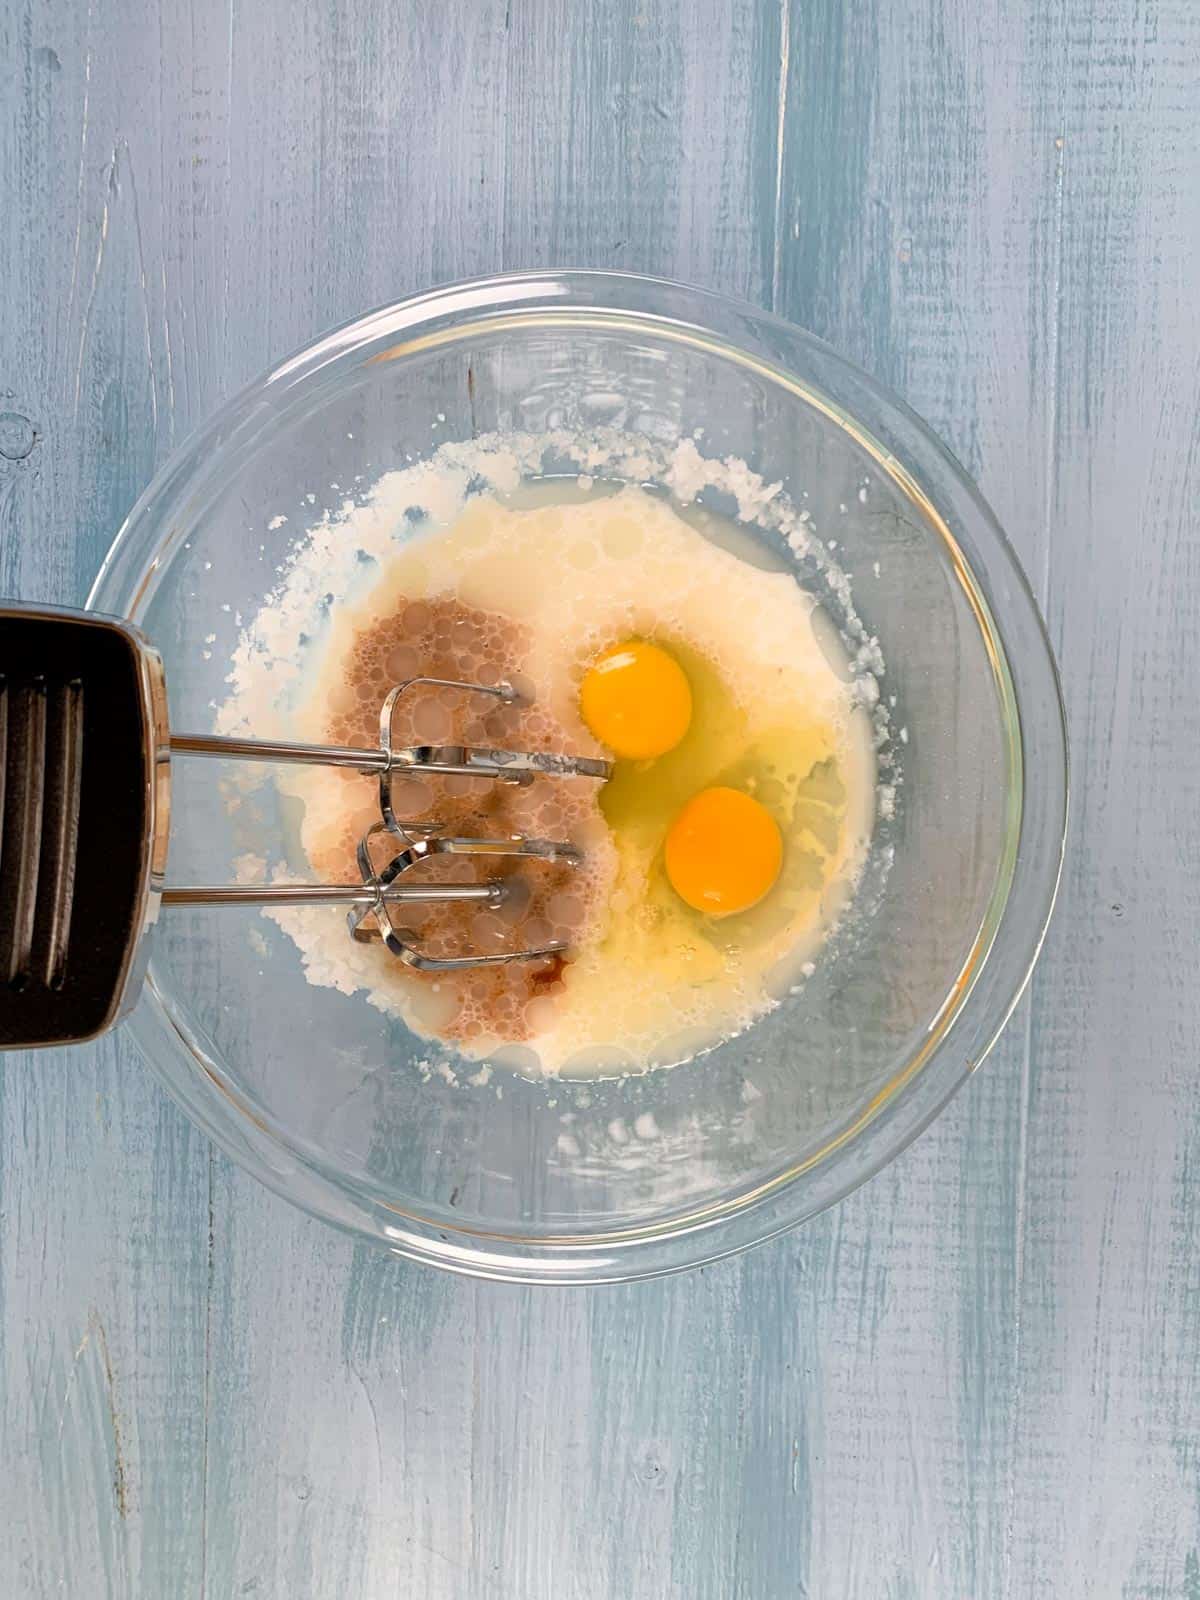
point(85, 800)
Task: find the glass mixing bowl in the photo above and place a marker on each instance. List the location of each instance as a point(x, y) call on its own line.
point(330, 1102)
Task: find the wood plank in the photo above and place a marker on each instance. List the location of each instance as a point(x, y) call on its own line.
point(1108, 1409)
point(103, 1186)
point(643, 138)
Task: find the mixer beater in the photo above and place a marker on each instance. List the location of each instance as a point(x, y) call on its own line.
point(85, 794)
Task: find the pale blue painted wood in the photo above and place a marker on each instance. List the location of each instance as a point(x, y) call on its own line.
point(978, 1376)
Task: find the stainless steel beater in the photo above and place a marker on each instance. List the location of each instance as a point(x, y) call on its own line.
point(85, 795)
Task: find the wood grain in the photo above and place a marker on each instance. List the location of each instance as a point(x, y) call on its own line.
point(978, 1377)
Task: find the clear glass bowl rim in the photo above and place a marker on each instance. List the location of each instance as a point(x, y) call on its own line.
point(904, 447)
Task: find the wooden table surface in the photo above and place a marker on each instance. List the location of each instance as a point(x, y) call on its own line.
point(979, 1376)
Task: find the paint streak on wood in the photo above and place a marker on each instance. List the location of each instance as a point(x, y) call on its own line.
point(120, 1472)
point(978, 1376)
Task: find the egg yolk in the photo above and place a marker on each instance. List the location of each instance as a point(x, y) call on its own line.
point(723, 852)
point(636, 699)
